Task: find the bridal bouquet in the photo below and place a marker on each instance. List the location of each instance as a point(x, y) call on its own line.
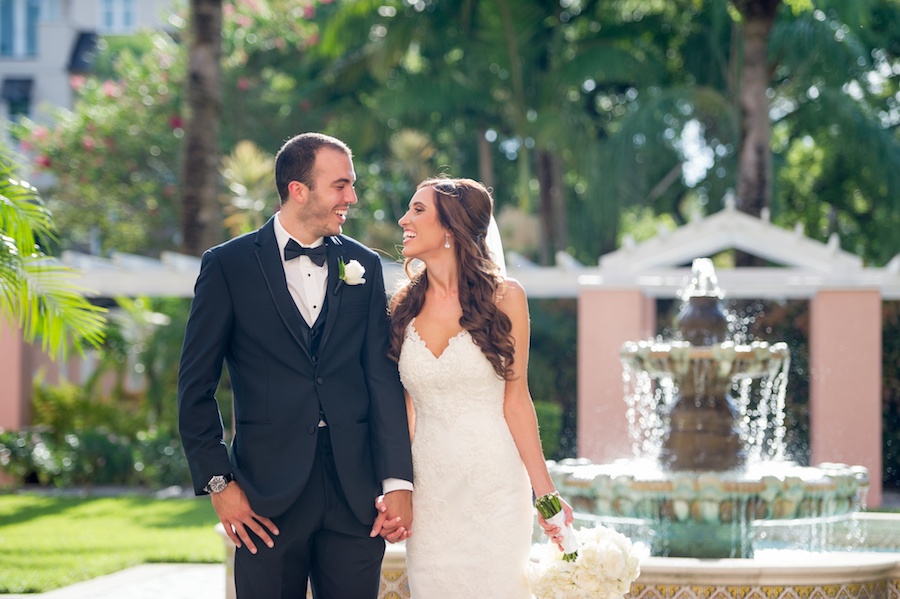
point(605, 566)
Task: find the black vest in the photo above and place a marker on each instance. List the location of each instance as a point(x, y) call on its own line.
point(313, 334)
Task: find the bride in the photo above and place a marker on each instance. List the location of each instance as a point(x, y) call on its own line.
point(460, 333)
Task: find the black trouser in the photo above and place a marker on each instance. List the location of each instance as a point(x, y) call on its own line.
point(320, 539)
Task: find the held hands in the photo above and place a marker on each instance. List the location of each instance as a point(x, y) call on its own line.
point(234, 512)
point(394, 517)
point(553, 531)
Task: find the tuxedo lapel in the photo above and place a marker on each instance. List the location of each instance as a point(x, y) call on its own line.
point(273, 272)
point(334, 289)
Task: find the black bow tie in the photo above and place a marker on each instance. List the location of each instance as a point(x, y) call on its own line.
point(316, 254)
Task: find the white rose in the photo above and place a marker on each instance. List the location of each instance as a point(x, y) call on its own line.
point(353, 273)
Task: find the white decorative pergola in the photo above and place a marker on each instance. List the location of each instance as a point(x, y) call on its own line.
point(616, 303)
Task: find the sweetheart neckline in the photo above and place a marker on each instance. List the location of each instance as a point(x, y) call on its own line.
point(416, 337)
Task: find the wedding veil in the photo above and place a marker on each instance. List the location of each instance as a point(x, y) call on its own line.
point(495, 245)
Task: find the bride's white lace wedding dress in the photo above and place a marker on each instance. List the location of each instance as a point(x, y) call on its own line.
point(472, 513)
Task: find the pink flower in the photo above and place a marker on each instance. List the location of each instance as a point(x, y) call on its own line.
point(111, 90)
point(87, 143)
point(309, 12)
point(77, 81)
point(43, 161)
point(175, 122)
point(243, 83)
point(40, 133)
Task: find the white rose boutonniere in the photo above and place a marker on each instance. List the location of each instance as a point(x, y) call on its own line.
point(350, 273)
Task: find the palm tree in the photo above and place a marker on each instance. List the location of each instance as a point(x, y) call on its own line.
point(36, 292)
point(199, 174)
point(516, 69)
point(252, 197)
point(760, 81)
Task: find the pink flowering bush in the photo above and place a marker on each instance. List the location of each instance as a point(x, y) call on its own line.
point(114, 158)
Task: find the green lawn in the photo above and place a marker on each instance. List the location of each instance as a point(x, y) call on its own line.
point(50, 542)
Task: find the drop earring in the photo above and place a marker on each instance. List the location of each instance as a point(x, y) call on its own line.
point(447, 240)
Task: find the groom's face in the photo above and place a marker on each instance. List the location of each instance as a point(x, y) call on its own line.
point(323, 210)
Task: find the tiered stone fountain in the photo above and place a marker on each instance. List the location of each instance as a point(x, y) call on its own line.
point(709, 465)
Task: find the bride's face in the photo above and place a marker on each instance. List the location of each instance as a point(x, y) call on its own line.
point(423, 235)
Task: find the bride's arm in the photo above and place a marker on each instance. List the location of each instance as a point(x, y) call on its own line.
point(518, 407)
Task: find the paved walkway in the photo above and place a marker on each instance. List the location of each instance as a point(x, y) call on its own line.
point(150, 581)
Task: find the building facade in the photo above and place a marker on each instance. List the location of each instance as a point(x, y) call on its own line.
point(44, 42)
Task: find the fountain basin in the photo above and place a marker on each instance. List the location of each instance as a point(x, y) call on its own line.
point(705, 514)
point(868, 569)
point(779, 575)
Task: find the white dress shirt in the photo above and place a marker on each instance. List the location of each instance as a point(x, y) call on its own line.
point(305, 280)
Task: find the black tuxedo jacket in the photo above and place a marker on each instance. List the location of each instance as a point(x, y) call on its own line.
point(243, 315)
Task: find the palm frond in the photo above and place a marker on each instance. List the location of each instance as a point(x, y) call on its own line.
point(48, 305)
point(23, 217)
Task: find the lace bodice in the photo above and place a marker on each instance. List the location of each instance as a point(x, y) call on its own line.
point(434, 382)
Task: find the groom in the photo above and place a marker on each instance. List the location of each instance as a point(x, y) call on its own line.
point(297, 313)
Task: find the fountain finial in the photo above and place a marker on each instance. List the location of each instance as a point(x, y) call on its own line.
point(703, 282)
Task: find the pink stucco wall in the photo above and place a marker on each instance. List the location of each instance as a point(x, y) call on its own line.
point(606, 320)
point(15, 382)
point(845, 382)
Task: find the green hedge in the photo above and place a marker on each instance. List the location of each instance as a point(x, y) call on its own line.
point(77, 441)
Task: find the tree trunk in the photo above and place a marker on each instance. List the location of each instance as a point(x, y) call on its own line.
point(754, 185)
point(558, 201)
point(554, 226)
point(200, 173)
point(485, 162)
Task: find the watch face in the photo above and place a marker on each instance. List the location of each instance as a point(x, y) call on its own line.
point(217, 484)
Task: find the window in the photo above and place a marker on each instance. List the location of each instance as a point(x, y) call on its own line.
point(32, 16)
point(117, 16)
point(6, 28)
point(17, 95)
point(19, 27)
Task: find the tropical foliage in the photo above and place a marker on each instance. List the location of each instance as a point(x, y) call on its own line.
point(37, 294)
point(591, 119)
point(576, 112)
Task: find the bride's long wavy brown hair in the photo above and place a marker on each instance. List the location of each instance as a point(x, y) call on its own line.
point(464, 209)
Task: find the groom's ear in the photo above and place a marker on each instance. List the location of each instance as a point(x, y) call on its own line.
point(298, 191)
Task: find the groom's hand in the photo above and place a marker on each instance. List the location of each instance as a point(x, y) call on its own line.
point(394, 518)
point(237, 516)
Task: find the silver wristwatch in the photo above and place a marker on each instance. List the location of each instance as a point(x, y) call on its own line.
point(218, 483)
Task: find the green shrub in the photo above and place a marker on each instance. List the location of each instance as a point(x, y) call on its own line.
point(93, 457)
point(550, 418)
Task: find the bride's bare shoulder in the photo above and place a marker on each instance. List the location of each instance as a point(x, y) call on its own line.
point(510, 295)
